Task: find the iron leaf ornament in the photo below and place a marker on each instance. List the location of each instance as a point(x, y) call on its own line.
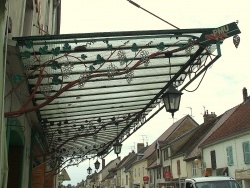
point(29, 44)
point(55, 51)
point(55, 65)
point(43, 50)
point(160, 46)
point(66, 47)
point(134, 47)
point(122, 57)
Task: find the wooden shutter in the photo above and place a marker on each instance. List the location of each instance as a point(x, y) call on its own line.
point(246, 152)
point(213, 159)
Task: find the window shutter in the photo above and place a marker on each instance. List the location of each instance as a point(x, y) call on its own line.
point(229, 155)
point(213, 159)
point(246, 152)
point(178, 168)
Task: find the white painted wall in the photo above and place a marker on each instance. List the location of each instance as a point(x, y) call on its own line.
point(17, 14)
point(183, 167)
point(221, 155)
point(140, 169)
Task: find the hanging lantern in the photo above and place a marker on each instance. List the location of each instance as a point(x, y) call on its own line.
point(117, 147)
point(97, 164)
point(89, 170)
point(172, 99)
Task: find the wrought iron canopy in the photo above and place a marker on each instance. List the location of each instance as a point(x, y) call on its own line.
point(84, 86)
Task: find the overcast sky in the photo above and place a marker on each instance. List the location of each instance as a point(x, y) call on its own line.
point(221, 88)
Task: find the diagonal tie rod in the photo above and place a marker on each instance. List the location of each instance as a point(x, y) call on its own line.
point(138, 6)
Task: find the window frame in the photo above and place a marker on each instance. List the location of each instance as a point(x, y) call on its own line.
point(194, 169)
point(165, 154)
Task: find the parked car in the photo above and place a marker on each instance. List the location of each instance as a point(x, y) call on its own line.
point(211, 182)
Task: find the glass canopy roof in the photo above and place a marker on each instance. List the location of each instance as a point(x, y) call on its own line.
point(90, 89)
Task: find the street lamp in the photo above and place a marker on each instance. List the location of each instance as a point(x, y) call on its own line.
point(97, 164)
point(117, 147)
point(172, 98)
point(89, 170)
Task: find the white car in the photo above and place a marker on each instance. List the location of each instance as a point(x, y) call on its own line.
point(211, 182)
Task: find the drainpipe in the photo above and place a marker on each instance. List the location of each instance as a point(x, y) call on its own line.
point(56, 4)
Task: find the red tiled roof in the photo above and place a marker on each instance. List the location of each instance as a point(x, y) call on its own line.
point(237, 123)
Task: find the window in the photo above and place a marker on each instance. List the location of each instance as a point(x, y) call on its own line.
point(126, 179)
point(150, 176)
point(165, 154)
point(165, 169)
point(194, 169)
point(213, 159)
point(135, 172)
point(138, 172)
point(230, 160)
point(158, 153)
point(246, 152)
point(178, 164)
point(158, 173)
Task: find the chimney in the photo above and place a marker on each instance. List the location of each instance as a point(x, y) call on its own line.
point(140, 146)
point(207, 117)
point(103, 163)
point(244, 91)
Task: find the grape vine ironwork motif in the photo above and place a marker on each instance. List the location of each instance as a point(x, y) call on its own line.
point(144, 57)
point(112, 70)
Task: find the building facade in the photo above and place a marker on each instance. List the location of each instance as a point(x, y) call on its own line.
point(227, 150)
point(20, 140)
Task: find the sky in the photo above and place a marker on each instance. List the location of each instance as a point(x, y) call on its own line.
point(220, 89)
